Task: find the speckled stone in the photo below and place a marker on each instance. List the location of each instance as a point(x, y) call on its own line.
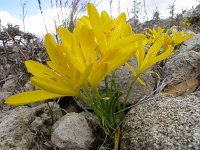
point(72, 132)
point(181, 67)
point(124, 78)
point(19, 127)
point(163, 122)
point(190, 43)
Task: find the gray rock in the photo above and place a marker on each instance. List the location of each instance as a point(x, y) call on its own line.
point(124, 78)
point(163, 122)
point(91, 118)
point(20, 127)
point(4, 71)
point(3, 96)
point(9, 84)
point(28, 86)
point(72, 132)
point(189, 13)
point(181, 67)
point(14, 130)
point(190, 43)
point(193, 12)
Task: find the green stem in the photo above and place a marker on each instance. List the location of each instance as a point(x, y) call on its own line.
point(129, 90)
point(117, 138)
point(86, 90)
point(86, 98)
point(106, 85)
point(113, 84)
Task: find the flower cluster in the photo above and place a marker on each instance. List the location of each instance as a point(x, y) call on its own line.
point(186, 22)
point(171, 37)
point(98, 45)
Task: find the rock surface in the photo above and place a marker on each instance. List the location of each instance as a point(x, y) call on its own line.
point(19, 128)
point(3, 96)
point(72, 132)
point(164, 123)
point(194, 18)
point(190, 43)
point(124, 78)
point(181, 67)
point(193, 12)
point(9, 84)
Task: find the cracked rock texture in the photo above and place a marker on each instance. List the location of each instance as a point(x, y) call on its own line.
point(72, 132)
point(19, 127)
point(181, 67)
point(163, 123)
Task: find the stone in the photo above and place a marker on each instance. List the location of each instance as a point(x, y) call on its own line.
point(14, 130)
point(194, 18)
point(182, 67)
point(28, 86)
point(4, 71)
point(20, 127)
point(124, 78)
point(3, 96)
point(9, 84)
point(163, 122)
point(193, 12)
point(190, 43)
point(72, 132)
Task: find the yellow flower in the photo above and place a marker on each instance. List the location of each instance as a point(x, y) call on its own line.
point(186, 22)
point(167, 41)
point(154, 34)
point(60, 79)
point(114, 39)
point(84, 52)
point(98, 46)
point(117, 43)
point(179, 37)
point(174, 39)
point(153, 56)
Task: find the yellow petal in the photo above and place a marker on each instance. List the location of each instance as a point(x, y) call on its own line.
point(99, 71)
point(127, 30)
point(105, 17)
point(64, 71)
point(117, 28)
point(30, 97)
point(57, 53)
point(38, 69)
point(74, 57)
point(140, 54)
point(160, 57)
point(41, 71)
point(181, 39)
point(51, 47)
point(135, 74)
point(66, 38)
point(88, 45)
point(97, 26)
point(125, 47)
point(83, 21)
point(126, 41)
point(54, 85)
point(83, 78)
point(155, 48)
point(115, 59)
